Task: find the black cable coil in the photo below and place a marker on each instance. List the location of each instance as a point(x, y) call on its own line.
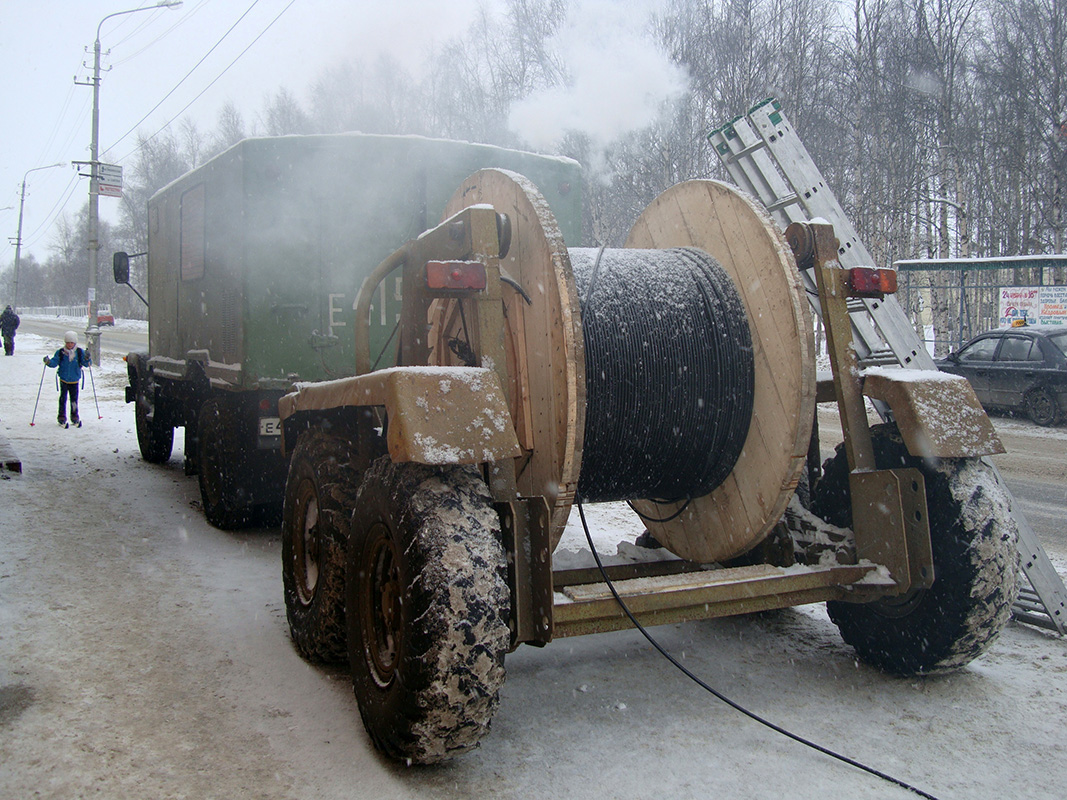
point(668, 370)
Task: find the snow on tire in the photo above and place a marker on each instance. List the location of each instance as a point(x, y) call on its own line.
point(320, 493)
point(976, 564)
point(428, 607)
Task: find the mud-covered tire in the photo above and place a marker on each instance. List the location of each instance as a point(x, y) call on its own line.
point(320, 493)
point(427, 609)
point(221, 466)
point(155, 441)
point(1041, 407)
point(976, 563)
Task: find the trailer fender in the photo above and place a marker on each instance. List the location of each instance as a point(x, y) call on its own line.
point(938, 414)
point(435, 415)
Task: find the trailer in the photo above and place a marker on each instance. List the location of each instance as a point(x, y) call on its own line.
point(424, 500)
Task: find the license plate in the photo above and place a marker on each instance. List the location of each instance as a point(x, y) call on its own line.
point(270, 426)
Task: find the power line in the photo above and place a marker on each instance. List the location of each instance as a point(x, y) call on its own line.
point(138, 25)
point(38, 233)
point(178, 23)
point(213, 82)
point(187, 75)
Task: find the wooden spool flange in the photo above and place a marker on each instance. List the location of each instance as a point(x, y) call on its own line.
point(543, 340)
point(742, 237)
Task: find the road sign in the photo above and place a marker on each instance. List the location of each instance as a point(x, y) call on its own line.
point(109, 180)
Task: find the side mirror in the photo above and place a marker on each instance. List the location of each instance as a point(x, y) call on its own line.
point(120, 263)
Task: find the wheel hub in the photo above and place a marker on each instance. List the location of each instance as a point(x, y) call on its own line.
point(306, 546)
point(381, 602)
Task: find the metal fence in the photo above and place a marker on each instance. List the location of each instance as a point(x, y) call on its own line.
point(55, 311)
point(969, 289)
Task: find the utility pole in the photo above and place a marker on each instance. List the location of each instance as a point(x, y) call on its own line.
point(92, 328)
point(18, 237)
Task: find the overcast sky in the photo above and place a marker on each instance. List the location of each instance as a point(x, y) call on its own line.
point(46, 44)
point(617, 78)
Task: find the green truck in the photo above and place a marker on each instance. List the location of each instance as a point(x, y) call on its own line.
point(254, 262)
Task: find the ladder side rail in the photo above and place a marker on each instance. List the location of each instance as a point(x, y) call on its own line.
point(890, 324)
point(1036, 566)
point(807, 181)
point(746, 158)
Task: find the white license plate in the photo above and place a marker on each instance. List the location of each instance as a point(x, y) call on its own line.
point(270, 426)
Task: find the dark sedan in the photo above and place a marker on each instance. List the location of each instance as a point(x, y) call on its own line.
point(1016, 369)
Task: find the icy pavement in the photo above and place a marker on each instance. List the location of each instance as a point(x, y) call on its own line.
point(144, 654)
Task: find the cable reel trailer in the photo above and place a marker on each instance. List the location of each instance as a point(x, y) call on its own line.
point(424, 501)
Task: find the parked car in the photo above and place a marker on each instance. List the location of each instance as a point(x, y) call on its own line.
point(1016, 369)
point(104, 316)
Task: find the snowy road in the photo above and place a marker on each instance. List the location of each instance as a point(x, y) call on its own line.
point(144, 654)
point(125, 336)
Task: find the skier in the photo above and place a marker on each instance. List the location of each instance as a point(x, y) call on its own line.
point(70, 359)
point(9, 322)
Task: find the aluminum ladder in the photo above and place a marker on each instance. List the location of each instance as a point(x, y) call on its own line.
point(765, 157)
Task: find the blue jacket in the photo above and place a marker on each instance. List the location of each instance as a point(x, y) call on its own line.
point(70, 369)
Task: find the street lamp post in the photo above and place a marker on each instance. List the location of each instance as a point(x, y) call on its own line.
point(92, 329)
point(18, 236)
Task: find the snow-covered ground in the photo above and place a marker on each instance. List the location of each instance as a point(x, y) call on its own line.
point(144, 654)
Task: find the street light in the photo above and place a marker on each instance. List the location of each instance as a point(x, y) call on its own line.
point(92, 329)
point(18, 237)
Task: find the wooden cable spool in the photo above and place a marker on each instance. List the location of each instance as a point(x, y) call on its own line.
point(546, 359)
point(544, 343)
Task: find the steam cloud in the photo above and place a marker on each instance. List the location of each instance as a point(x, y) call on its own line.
point(618, 77)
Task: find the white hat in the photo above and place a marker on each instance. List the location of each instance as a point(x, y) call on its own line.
point(70, 336)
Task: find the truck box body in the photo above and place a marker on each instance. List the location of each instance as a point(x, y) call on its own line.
point(255, 258)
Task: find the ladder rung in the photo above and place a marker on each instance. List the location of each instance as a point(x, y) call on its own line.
point(880, 358)
point(783, 203)
point(1040, 620)
point(746, 152)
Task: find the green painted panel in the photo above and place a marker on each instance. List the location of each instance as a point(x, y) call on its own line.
point(294, 224)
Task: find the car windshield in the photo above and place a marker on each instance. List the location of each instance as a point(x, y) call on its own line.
point(1060, 340)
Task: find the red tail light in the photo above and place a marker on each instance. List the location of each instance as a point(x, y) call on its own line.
point(455, 275)
point(871, 282)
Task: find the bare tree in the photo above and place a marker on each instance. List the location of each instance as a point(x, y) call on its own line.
point(283, 115)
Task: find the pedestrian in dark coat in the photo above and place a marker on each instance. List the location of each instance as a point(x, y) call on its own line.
point(69, 359)
point(9, 322)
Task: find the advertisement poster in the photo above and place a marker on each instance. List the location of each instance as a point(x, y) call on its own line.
point(1053, 306)
point(1019, 302)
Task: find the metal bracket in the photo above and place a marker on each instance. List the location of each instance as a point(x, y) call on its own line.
point(525, 524)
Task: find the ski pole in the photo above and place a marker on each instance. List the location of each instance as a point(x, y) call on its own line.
point(93, 384)
point(38, 400)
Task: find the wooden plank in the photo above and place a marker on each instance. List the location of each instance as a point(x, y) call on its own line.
point(593, 608)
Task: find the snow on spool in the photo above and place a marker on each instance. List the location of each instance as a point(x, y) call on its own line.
point(668, 370)
point(547, 364)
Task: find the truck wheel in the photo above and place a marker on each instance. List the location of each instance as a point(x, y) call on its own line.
point(1041, 407)
point(154, 440)
point(320, 494)
point(220, 464)
point(976, 563)
point(428, 606)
